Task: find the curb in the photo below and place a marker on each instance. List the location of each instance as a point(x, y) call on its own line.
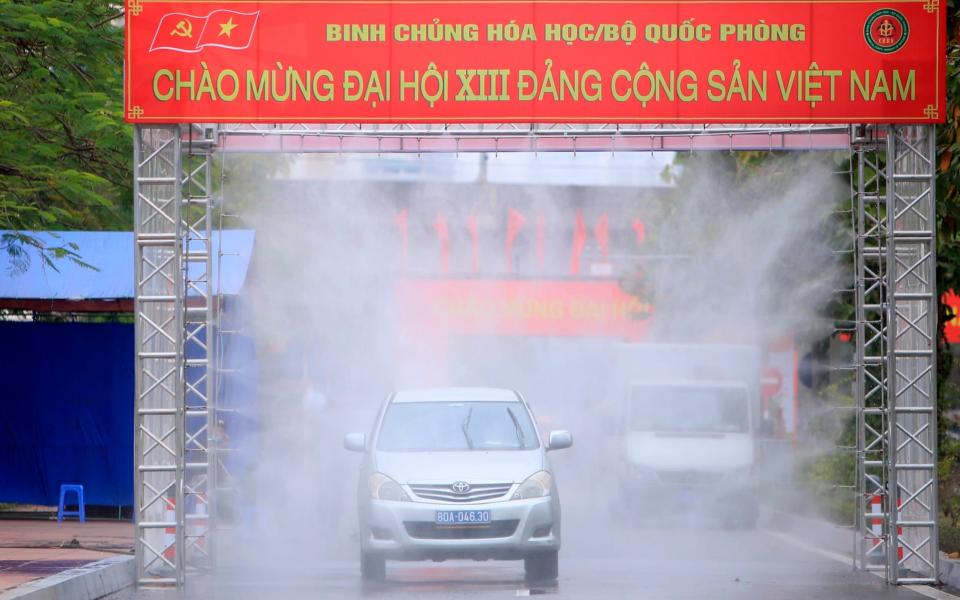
point(949, 571)
point(89, 582)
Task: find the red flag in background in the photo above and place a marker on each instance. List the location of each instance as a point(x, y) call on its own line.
point(401, 221)
point(179, 32)
point(474, 243)
point(541, 245)
point(579, 241)
point(440, 226)
point(515, 222)
point(601, 233)
point(640, 230)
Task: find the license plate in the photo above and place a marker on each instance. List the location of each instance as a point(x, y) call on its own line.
point(463, 517)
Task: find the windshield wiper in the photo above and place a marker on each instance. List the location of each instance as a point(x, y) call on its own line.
point(465, 426)
point(516, 427)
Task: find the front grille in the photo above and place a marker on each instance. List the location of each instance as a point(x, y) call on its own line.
point(479, 492)
point(426, 530)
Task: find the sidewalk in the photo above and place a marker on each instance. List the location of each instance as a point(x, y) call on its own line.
point(31, 549)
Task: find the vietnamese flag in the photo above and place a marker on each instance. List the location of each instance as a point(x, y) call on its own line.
point(229, 29)
point(601, 232)
point(515, 222)
point(443, 236)
point(951, 327)
point(640, 230)
point(475, 243)
point(579, 241)
point(179, 32)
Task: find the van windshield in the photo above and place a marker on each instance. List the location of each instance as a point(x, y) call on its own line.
point(456, 426)
point(686, 408)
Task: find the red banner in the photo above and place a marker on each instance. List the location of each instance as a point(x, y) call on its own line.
point(521, 307)
point(479, 61)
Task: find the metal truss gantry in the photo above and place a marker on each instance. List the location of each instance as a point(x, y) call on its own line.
point(896, 312)
point(173, 313)
point(896, 352)
point(512, 137)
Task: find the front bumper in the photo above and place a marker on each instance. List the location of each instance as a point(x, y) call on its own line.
point(650, 494)
point(406, 531)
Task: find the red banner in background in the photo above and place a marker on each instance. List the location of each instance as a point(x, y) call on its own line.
point(521, 307)
point(354, 61)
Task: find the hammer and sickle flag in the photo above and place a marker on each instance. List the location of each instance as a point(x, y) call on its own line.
point(178, 32)
point(181, 32)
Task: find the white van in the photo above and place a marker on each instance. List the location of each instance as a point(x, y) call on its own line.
point(688, 422)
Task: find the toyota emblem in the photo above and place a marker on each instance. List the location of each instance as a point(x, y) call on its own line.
point(460, 487)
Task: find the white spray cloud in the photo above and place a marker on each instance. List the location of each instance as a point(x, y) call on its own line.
point(323, 316)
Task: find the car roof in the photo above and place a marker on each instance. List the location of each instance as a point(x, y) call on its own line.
point(456, 394)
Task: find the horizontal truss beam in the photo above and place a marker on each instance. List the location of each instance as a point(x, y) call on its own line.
point(439, 138)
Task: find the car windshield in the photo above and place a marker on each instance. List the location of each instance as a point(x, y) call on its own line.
point(456, 426)
point(683, 408)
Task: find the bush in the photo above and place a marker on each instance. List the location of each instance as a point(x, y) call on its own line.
point(949, 538)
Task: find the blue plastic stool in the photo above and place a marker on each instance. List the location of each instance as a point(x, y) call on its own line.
point(80, 512)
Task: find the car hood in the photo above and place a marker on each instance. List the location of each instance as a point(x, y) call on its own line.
point(447, 467)
point(679, 452)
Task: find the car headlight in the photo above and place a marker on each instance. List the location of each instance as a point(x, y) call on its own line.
point(384, 488)
point(537, 485)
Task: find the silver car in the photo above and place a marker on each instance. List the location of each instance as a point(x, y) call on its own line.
point(458, 473)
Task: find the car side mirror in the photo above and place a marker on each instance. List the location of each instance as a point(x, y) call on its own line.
point(559, 440)
point(355, 442)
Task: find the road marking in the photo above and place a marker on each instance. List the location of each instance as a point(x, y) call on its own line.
point(923, 590)
point(789, 539)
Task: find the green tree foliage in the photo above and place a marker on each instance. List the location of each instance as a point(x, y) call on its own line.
point(65, 152)
point(948, 154)
point(948, 276)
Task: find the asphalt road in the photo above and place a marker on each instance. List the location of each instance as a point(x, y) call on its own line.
point(657, 561)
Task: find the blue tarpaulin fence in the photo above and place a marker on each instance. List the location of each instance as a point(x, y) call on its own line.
point(66, 408)
point(67, 389)
point(66, 411)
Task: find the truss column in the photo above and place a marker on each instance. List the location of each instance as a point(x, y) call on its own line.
point(158, 333)
point(871, 348)
point(199, 439)
point(911, 360)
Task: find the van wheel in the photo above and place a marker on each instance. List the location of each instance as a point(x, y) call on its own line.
point(372, 567)
point(542, 566)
